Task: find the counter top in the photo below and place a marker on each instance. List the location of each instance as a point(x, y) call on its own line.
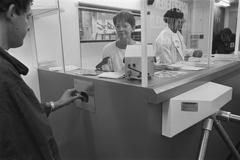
point(161, 89)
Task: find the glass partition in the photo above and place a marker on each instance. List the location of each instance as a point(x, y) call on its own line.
point(96, 30)
point(56, 35)
point(48, 35)
point(180, 31)
point(196, 21)
point(225, 26)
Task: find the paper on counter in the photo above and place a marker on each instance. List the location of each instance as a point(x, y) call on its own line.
point(112, 75)
point(67, 68)
point(186, 67)
point(191, 68)
point(87, 72)
point(225, 57)
point(55, 68)
point(168, 73)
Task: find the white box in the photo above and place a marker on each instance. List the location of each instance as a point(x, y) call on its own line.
point(133, 61)
point(188, 108)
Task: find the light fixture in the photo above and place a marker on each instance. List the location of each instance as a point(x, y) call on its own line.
point(223, 3)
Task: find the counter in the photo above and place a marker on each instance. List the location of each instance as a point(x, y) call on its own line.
point(126, 122)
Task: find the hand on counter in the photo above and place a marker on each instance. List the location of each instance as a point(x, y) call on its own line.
point(103, 62)
point(197, 53)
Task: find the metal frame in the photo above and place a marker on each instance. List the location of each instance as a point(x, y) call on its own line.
point(207, 127)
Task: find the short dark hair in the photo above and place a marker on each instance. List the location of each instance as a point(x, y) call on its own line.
point(126, 16)
point(173, 13)
point(21, 5)
point(226, 31)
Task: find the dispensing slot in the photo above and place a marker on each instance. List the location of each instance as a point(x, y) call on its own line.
point(86, 89)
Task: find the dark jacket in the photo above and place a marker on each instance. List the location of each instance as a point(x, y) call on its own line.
point(25, 133)
point(221, 47)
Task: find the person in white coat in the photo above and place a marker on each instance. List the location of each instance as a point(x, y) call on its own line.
point(169, 46)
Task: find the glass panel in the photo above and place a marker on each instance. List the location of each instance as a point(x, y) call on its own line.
point(70, 36)
point(96, 25)
point(97, 30)
point(224, 26)
point(180, 32)
point(48, 41)
point(57, 46)
point(44, 3)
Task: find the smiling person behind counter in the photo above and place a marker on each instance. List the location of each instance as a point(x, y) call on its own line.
point(114, 52)
point(25, 133)
point(169, 46)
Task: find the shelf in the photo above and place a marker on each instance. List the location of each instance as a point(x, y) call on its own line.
point(39, 10)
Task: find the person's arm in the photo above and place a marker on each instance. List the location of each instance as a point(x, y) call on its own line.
point(102, 63)
point(25, 100)
point(189, 52)
point(105, 64)
point(69, 96)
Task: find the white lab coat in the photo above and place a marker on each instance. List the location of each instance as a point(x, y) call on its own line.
point(116, 55)
point(170, 47)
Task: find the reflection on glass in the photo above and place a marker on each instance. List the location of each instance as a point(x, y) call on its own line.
point(114, 52)
point(97, 25)
point(224, 26)
point(179, 29)
point(97, 29)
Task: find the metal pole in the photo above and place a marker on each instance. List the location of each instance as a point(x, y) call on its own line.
point(144, 43)
point(228, 116)
point(225, 137)
point(207, 127)
point(234, 118)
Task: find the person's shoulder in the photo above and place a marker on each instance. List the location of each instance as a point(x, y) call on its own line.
point(108, 49)
point(137, 42)
point(164, 36)
point(8, 73)
point(110, 45)
point(166, 31)
point(4, 66)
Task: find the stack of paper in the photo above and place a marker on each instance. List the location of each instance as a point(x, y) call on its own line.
point(113, 75)
point(186, 67)
point(86, 72)
point(67, 68)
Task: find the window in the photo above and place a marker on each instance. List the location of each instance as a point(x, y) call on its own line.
point(96, 24)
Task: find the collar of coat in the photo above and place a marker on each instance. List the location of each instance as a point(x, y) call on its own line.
point(20, 67)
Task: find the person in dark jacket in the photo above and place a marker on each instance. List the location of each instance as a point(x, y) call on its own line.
point(25, 133)
point(224, 42)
